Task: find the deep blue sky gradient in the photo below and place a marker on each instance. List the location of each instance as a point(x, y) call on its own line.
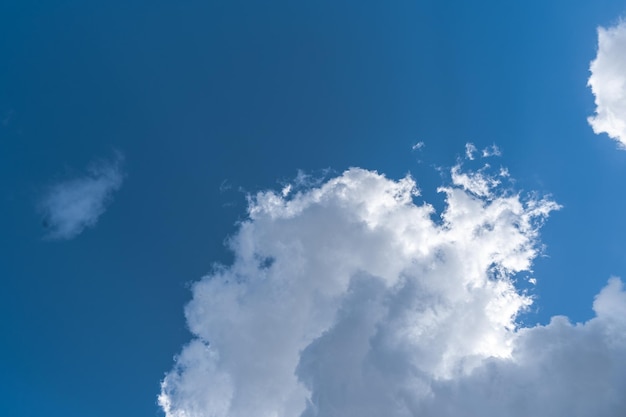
point(206, 99)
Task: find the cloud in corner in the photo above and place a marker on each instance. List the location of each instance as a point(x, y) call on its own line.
point(71, 206)
point(608, 83)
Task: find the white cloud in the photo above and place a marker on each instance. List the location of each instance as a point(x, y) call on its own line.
point(286, 190)
point(470, 150)
point(71, 206)
point(608, 83)
point(492, 150)
point(418, 146)
point(560, 369)
point(478, 182)
point(348, 299)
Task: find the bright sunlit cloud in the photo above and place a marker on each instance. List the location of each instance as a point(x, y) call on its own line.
point(348, 299)
point(608, 83)
point(71, 206)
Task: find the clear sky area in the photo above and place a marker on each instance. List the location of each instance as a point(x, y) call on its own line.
point(323, 208)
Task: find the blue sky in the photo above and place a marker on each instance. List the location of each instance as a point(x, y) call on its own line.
point(169, 114)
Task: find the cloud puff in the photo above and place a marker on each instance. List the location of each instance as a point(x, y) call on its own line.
point(418, 146)
point(608, 83)
point(470, 150)
point(352, 299)
point(71, 206)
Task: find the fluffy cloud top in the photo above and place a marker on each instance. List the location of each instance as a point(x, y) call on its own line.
point(608, 83)
point(351, 299)
point(71, 206)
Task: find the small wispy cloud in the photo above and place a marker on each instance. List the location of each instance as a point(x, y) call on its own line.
point(608, 83)
point(304, 180)
point(492, 150)
point(418, 146)
point(470, 150)
point(71, 206)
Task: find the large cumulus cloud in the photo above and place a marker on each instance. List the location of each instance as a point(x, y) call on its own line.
point(608, 83)
point(352, 298)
